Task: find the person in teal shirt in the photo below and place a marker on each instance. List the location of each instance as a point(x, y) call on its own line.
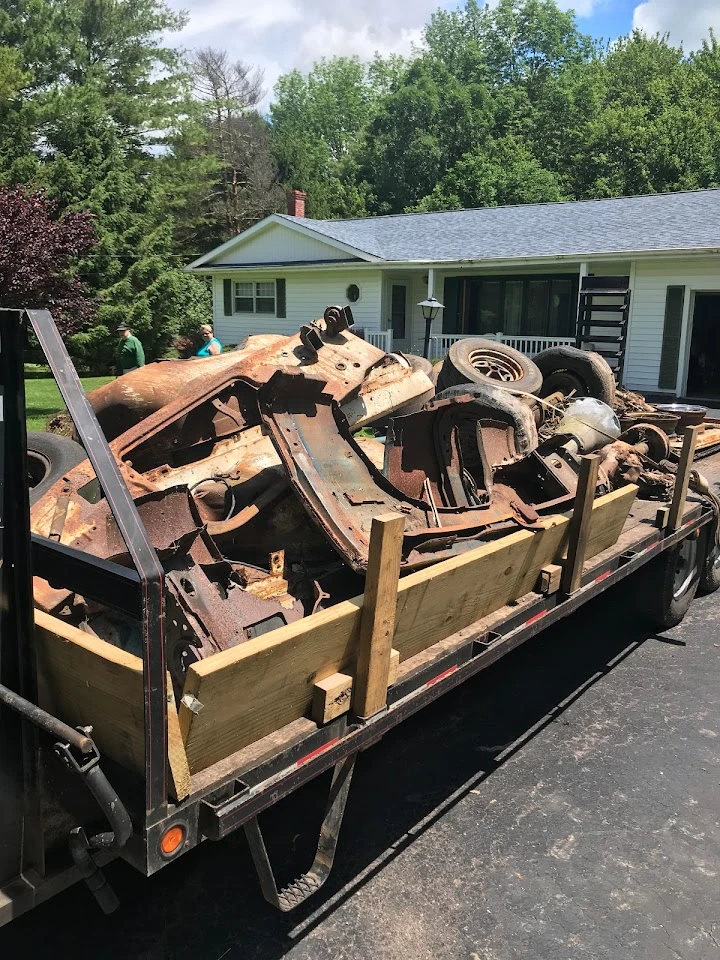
point(211, 345)
point(130, 354)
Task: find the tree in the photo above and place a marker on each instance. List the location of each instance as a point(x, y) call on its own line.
point(103, 90)
point(506, 172)
point(422, 129)
point(236, 181)
point(39, 252)
point(318, 122)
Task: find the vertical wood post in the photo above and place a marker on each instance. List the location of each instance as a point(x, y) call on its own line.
point(377, 624)
point(682, 478)
point(580, 523)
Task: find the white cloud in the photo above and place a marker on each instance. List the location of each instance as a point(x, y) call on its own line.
point(279, 35)
point(687, 22)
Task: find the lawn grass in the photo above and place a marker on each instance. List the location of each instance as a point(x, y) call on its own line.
point(42, 398)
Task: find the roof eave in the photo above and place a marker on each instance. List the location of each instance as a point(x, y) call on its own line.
point(289, 223)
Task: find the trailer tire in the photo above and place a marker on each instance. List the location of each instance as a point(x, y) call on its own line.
point(475, 360)
point(507, 408)
point(670, 582)
point(50, 457)
point(567, 368)
point(710, 563)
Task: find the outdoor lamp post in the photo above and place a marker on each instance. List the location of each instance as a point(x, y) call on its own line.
point(430, 308)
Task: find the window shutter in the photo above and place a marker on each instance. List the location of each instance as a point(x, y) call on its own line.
point(672, 329)
point(227, 297)
point(280, 303)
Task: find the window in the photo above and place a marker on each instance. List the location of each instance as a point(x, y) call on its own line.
point(254, 297)
point(539, 305)
point(353, 293)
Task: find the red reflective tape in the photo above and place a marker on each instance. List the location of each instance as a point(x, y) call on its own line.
point(315, 753)
point(441, 676)
point(538, 616)
point(603, 576)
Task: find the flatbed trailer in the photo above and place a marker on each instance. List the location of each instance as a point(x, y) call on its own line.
point(96, 759)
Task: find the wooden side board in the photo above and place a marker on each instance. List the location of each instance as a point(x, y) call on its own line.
point(259, 686)
point(84, 680)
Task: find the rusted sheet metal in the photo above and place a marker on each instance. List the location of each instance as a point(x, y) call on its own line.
point(351, 368)
point(344, 491)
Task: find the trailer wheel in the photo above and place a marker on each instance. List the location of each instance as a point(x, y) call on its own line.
point(475, 360)
point(670, 583)
point(710, 564)
point(567, 369)
point(49, 458)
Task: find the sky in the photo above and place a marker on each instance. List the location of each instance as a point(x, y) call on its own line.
point(278, 35)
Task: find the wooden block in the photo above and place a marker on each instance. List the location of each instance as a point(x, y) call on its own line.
point(661, 517)
point(331, 697)
point(549, 579)
point(394, 667)
point(580, 523)
point(377, 623)
point(256, 688)
point(682, 478)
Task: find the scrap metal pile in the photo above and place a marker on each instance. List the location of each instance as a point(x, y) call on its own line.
point(250, 477)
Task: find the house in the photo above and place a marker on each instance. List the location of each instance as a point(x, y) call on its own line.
point(511, 270)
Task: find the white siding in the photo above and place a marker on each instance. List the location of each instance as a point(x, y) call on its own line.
point(307, 295)
point(647, 316)
point(277, 244)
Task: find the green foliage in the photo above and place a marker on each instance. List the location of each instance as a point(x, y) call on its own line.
point(318, 121)
point(504, 172)
point(98, 85)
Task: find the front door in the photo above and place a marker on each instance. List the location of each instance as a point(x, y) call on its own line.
point(704, 362)
point(399, 320)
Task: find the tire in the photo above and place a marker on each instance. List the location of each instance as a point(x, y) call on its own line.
point(505, 408)
point(50, 457)
point(475, 360)
point(709, 563)
point(567, 368)
point(668, 584)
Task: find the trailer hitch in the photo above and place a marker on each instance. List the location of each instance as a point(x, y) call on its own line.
point(308, 883)
point(76, 748)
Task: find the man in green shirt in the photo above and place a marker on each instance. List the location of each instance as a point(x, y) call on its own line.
point(130, 354)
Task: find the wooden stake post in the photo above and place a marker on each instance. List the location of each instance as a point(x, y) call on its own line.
point(377, 625)
point(682, 478)
point(580, 523)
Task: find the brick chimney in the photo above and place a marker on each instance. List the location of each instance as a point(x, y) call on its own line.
point(296, 203)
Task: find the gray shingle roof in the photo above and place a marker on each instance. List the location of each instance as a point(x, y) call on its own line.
point(676, 221)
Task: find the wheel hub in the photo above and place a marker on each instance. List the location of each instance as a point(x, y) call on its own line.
point(496, 366)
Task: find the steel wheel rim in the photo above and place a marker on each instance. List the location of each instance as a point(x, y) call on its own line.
point(685, 566)
point(496, 365)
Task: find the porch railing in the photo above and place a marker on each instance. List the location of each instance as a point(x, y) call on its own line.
point(383, 339)
point(530, 346)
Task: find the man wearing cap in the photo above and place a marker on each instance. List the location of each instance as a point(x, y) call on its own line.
point(130, 354)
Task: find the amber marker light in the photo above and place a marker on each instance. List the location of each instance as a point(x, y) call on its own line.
point(172, 840)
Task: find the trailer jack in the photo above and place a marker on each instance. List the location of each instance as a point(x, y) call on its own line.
point(308, 883)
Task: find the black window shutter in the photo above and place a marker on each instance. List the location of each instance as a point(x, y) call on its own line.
point(228, 298)
point(672, 329)
point(280, 303)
